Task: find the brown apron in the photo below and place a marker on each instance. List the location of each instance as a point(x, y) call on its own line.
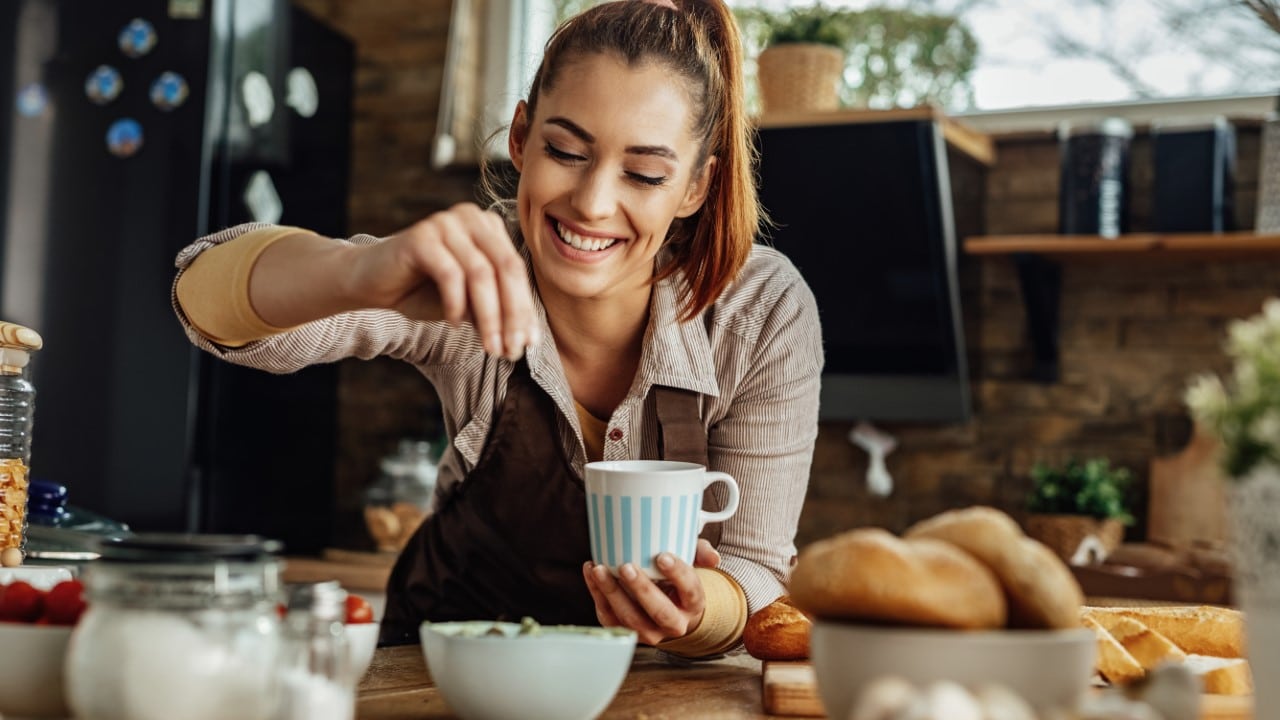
point(510, 539)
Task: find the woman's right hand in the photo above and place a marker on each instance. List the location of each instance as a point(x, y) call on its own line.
point(457, 265)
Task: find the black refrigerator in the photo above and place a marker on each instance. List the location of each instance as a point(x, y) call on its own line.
point(133, 127)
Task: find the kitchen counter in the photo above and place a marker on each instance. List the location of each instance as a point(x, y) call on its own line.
point(398, 686)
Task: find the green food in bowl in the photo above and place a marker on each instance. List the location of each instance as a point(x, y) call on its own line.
point(507, 671)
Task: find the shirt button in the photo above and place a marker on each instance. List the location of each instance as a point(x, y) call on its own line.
point(615, 434)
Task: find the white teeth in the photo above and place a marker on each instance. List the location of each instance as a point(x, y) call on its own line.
point(579, 242)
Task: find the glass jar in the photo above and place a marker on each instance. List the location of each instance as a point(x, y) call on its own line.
point(1093, 195)
point(403, 495)
point(178, 626)
point(316, 674)
point(17, 409)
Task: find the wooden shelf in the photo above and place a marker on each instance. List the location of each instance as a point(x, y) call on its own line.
point(1075, 246)
point(959, 136)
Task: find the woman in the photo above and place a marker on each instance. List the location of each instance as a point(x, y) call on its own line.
point(632, 316)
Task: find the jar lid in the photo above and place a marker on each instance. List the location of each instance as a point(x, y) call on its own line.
point(16, 344)
point(186, 548)
point(1109, 127)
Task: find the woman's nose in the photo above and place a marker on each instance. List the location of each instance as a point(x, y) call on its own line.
point(595, 197)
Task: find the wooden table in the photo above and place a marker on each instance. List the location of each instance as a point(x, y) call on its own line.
point(397, 686)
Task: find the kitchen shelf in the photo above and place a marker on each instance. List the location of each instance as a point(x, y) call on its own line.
point(1067, 247)
point(1039, 261)
point(977, 145)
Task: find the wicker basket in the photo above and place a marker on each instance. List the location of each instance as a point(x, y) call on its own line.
point(1064, 533)
point(800, 77)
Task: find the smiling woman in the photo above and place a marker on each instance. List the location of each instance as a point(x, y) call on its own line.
point(617, 308)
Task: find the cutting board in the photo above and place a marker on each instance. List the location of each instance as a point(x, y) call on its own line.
point(1187, 504)
point(791, 690)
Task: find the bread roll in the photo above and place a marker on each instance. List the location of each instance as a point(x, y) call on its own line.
point(868, 574)
point(777, 631)
point(1042, 592)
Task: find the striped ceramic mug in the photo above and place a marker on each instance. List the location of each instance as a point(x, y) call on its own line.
point(637, 509)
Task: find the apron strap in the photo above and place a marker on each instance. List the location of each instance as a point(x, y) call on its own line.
point(681, 435)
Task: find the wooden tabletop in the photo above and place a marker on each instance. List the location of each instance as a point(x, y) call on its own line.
point(398, 686)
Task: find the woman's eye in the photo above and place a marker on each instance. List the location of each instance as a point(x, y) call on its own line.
point(557, 154)
point(648, 179)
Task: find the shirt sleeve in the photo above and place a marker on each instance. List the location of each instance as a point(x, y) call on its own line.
point(766, 441)
point(213, 291)
point(362, 333)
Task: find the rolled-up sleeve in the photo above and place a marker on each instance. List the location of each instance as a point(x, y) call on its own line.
point(364, 333)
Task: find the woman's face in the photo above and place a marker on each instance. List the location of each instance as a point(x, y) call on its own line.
point(605, 166)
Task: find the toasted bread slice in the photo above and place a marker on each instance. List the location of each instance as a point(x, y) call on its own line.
point(1114, 663)
point(1222, 676)
point(1198, 630)
point(1147, 646)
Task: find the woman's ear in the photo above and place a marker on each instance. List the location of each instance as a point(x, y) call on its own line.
point(518, 134)
point(696, 195)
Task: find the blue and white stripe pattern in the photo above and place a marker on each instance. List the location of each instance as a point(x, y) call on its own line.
point(635, 528)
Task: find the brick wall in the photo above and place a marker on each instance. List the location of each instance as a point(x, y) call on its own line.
point(1133, 328)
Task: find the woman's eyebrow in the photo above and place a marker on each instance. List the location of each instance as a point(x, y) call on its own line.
point(578, 131)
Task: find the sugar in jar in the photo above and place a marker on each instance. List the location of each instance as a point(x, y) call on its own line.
point(178, 626)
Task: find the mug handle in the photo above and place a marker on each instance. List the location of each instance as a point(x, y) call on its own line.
point(730, 507)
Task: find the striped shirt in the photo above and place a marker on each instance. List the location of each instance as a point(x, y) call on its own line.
point(755, 356)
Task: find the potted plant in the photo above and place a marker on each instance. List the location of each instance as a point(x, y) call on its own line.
point(1078, 500)
point(800, 66)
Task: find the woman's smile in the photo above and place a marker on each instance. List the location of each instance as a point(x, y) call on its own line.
point(583, 241)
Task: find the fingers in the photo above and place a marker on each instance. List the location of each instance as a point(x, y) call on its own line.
point(635, 601)
point(705, 555)
point(685, 582)
point(478, 275)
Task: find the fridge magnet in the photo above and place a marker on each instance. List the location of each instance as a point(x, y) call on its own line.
point(261, 198)
point(124, 137)
point(137, 38)
point(259, 100)
point(103, 85)
point(168, 91)
point(303, 96)
point(186, 9)
point(32, 100)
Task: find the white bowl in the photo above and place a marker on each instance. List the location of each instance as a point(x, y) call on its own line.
point(1048, 668)
point(31, 667)
point(557, 674)
point(362, 640)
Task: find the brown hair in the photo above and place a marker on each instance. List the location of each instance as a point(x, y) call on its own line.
point(700, 41)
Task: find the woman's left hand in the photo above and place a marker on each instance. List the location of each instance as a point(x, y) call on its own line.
point(657, 611)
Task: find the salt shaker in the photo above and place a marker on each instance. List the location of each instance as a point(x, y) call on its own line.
point(17, 407)
point(316, 677)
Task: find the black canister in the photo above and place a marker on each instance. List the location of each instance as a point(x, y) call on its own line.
point(1093, 197)
point(1193, 188)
